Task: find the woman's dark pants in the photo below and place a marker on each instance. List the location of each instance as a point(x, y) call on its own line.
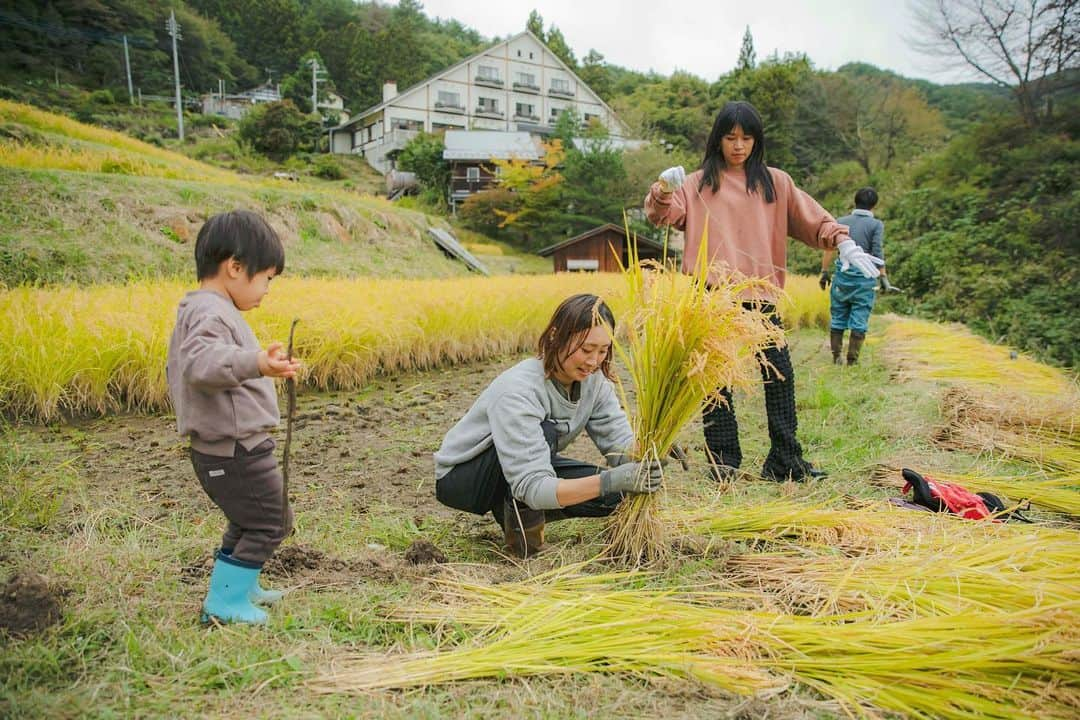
point(785, 457)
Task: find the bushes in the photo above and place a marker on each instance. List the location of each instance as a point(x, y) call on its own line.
point(279, 129)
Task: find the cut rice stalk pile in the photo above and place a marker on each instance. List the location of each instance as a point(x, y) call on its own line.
point(685, 338)
point(1005, 388)
point(973, 664)
point(1010, 572)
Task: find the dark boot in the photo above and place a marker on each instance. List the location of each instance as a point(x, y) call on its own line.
point(523, 528)
point(836, 343)
point(854, 346)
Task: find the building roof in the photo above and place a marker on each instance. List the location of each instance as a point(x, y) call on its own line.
point(380, 106)
point(489, 145)
point(642, 241)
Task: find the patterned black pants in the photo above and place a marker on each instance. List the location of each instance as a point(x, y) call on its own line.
point(722, 429)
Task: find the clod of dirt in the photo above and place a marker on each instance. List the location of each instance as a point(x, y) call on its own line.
point(422, 552)
point(28, 604)
point(294, 559)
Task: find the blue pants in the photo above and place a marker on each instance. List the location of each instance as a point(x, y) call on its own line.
point(850, 301)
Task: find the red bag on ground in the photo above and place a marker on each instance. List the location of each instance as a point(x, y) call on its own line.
point(943, 496)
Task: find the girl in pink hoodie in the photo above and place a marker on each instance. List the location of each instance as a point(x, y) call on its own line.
point(745, 211)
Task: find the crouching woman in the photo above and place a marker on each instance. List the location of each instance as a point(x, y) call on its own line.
point(503, 456)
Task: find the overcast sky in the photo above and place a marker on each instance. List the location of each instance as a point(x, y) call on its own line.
point(703, 36)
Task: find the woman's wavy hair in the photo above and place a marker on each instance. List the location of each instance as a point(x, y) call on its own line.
point(747, 117)
point(574, 317)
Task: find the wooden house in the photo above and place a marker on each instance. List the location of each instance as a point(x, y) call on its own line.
point(600, 250)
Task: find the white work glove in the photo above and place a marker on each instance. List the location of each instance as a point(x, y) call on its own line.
point(853, 255)
point(672, 179)
point(643, 477)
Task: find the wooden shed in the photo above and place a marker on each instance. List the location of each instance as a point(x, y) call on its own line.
point(596, 250)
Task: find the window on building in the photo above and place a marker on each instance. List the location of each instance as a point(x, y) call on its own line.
point(582, 264)
point(530, 56)
point(560, 85)
point(472, 174)
point(524, 110)
point(448, 99)
point(526, 78)
point(438, 126)
point(490, 105)
point(555, 113)
point(519, 53)
point(487, 72)
point(589, 117)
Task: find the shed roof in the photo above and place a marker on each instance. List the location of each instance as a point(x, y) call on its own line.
point(642, 241)
point(489, 145)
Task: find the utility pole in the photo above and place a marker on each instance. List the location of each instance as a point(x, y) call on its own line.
point(174, 30)
point(315, 80)
point(127, 66)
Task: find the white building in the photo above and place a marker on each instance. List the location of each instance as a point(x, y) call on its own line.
point(517, 85)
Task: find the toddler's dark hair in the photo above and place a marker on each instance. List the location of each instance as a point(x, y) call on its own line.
point(240, 234)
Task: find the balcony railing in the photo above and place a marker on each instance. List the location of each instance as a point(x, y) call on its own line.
point(527, 87)
point(560, 92)
point(489, 81)
point(450, 107)
point(489, 113)
point(527, 118)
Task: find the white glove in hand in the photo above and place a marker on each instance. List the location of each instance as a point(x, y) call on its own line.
point(632, 477)
point(672, 178)
point(853, 255)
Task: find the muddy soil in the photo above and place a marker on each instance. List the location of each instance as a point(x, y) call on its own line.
point(362, 450)
point(28, 604)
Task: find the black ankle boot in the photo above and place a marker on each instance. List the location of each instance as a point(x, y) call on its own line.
point(836, 343)
point(854, 346)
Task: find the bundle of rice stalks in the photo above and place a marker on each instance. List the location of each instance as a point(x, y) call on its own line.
point(559, 625)
point(968, 665)
point(972, 664)
point(999, 572)
point(684, 339)
point(1004, 387)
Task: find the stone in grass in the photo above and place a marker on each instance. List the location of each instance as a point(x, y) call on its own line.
point(28, 604)
point(422, 552)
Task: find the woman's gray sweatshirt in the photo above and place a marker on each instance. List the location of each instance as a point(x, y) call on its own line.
point(509, 412)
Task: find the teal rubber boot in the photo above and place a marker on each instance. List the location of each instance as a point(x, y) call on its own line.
point(258, 594)
point(227, 601)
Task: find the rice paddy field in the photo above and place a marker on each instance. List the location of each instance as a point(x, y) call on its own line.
point(774, 600)
point(766, 600)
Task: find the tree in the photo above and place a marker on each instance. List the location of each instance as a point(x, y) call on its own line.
point(423, 155)
point(875, 119)
point(279, 129)
point(557, 44)
point(1023, 46)
point(535, 25)
point(747, 56)
point(594, 73)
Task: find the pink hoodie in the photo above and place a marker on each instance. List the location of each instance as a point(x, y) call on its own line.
point(744, 231)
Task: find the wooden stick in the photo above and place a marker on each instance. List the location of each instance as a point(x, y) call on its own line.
point(290, 414)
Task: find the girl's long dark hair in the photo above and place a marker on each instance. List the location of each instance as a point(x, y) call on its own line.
point(576, 315)
point(747, 117)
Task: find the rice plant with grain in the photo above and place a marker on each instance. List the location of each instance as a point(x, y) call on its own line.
point(683, 339)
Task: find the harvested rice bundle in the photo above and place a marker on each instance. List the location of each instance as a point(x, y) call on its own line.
point(1005, 388)
point(684, 339)
point(973, 664)
point(1012, 572)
